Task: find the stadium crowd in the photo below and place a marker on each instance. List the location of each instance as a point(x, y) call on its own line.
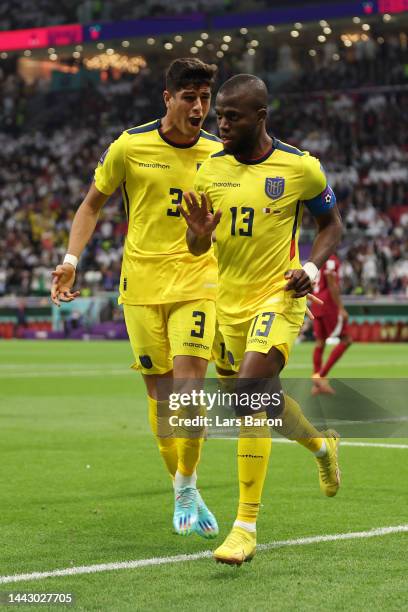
point(26, 14)
point(48, 153)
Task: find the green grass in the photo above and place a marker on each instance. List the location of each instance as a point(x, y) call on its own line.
point(82, 483)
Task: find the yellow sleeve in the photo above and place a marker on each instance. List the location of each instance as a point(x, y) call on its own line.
point(110, 171)
point(315, 180)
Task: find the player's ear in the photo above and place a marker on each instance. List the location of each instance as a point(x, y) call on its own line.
point(166, 97)
point(262, 114)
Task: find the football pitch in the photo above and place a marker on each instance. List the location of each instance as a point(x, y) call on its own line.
point(82, 484)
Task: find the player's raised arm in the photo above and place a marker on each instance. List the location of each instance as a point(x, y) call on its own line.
point(83, 226)
point(201, 222)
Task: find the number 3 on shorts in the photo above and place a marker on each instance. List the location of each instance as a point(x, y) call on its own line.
point(200, 323)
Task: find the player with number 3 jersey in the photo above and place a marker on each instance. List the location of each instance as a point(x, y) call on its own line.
point(167, 293)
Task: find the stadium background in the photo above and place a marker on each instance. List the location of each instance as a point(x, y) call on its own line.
point(74, 419)
point(338, 89)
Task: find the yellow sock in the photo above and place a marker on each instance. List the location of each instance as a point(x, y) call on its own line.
point(164, 434)
point(189, 450)
point(254, 449)
point(189, 440)
point(296, 426)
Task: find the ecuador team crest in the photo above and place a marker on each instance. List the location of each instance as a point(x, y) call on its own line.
point(274, 187)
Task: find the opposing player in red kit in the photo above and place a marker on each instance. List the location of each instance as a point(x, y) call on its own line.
point(330, 321)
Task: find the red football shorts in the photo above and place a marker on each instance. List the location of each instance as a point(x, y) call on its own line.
point(332, 324)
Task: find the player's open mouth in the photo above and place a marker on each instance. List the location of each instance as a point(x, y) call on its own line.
point(196, 121)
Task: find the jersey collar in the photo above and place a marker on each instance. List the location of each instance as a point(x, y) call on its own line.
point(258, 160)
point(176, 144)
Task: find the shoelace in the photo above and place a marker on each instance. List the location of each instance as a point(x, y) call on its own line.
point(186, 497)
point(324, 467)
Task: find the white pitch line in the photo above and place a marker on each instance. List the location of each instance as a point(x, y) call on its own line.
point(346, 443)
point(126, 565)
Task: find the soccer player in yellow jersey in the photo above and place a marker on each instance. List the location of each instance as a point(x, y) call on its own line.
point(167, 293)
point(253, 192)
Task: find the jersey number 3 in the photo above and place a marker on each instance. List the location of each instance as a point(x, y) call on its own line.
point(176, 200)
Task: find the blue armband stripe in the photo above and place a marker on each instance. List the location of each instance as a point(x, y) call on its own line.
point(321, 203)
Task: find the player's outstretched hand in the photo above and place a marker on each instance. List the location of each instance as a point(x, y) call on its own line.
point(63, 279)
point(199, 218)
point(300, 282)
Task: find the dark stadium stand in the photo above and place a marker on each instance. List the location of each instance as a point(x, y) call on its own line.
point(345, 103)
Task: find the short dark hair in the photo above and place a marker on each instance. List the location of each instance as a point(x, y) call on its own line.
point(189, 71)
point(253, 86)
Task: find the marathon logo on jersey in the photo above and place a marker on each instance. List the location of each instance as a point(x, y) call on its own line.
point(154, 165)
point(274, 187)
point(104, 154)
point(225, 184)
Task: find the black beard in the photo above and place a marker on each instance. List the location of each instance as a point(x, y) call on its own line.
point(243, 147)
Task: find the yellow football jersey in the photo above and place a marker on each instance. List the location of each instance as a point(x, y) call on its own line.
point(257, 237)
point(157, 267)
